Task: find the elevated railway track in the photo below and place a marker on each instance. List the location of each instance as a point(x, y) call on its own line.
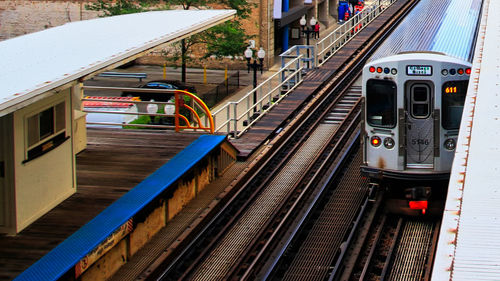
point(280, 188)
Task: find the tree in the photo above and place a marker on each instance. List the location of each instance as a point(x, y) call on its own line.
point(223, 40)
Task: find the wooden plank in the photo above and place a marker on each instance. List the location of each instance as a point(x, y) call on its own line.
point(114, 162)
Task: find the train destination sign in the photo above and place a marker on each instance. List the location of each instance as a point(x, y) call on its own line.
point(419, 70)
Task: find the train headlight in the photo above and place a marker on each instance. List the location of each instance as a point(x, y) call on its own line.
point(450, 144)
point(444, 72)
point(375, 141)
point(389, 143)
point(394, 71)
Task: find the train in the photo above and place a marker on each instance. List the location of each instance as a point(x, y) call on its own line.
point(414, 87)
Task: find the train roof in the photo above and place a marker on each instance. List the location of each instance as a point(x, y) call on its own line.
point(448, 27)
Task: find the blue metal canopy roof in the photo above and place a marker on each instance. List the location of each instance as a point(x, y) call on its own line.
point(62, 258)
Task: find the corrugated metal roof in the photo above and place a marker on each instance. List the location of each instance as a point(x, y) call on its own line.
point(468, 247)
point(446, 26)
point(35, 63)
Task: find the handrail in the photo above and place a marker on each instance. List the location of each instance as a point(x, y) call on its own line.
point(266, 95)
point(239, 118)
point(178, 97)
point(341, 35)
point(178, 103)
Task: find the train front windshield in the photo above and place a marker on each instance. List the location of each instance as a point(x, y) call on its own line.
point(381, 103)
point(453, 98)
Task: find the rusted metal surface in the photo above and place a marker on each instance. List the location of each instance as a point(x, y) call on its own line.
point(468, 243)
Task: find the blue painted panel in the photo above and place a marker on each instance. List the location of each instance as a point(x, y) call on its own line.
point(64, 257)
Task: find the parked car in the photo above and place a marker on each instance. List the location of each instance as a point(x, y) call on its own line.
point(159, 84)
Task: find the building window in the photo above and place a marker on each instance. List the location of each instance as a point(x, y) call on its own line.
point(46, 130)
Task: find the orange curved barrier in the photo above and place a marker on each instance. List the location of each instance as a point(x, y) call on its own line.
point(179, 102)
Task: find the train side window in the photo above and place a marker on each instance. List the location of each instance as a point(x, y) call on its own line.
point(381, 103)
point(453, 98)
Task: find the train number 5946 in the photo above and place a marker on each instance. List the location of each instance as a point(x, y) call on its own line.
point(420, 142)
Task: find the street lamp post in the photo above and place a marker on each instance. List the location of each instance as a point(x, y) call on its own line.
point(306, 30)
point(255, 66)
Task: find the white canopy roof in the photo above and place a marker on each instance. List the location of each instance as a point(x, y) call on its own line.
point(36, 63)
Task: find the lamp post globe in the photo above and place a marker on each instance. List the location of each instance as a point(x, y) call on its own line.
point(255, 65)
point(248, 53)
point(303, 21)
point(313, 21)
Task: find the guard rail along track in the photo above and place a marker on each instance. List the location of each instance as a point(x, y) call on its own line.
point(192, 260)
point(398, 248)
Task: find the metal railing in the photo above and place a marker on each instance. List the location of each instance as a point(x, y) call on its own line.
point(240, 115)
point(175, 114)
point(328, 46)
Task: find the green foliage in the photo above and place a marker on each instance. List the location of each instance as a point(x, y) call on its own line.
point(143, 119)
point(223, 40)
point(121, 7)
point(226, 39)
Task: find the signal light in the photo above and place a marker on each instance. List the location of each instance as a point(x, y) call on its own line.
point(387, 70)
point(467, 71)
point(372, 69)
point(389, 143)
point(419, 205)
point(450, 144)
point(379, 69)
point(453, 71)
point(375, 141)
point(394, 71)
point(460, 71)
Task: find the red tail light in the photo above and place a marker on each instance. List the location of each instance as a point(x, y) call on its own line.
point(372, 69)
point(418, 205)
point(375, 141)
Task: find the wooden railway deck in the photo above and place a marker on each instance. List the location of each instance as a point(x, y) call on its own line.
point(114, 162)
point(314, 81)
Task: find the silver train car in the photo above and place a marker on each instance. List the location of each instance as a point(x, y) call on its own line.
point(414, 87)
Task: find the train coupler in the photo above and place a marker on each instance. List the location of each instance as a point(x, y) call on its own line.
point(372, 191)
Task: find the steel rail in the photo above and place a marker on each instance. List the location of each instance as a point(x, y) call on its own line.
point(283, 151)
point(304, 135)
point(284, 138)
point(249, 261)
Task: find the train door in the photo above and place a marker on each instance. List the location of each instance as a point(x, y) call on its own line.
point(419, 125)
